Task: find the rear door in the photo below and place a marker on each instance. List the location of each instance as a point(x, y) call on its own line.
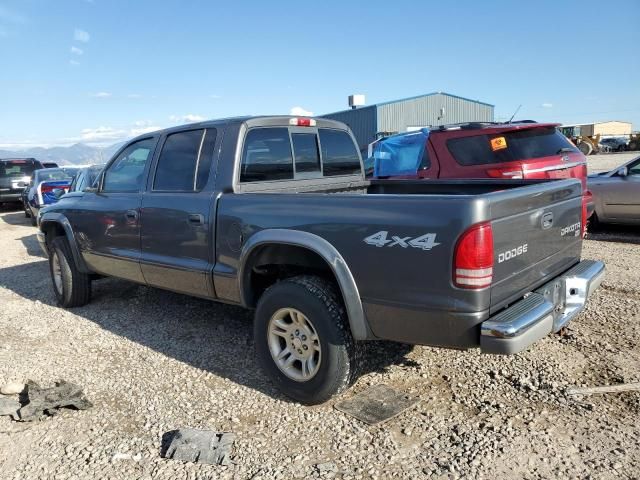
point(536, 235)
point(177, 222)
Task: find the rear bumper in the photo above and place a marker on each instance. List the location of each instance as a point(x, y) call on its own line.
point(546, 310)
point(10, 196)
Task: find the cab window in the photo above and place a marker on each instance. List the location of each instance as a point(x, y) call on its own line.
point(126, 173)
point(267, 155)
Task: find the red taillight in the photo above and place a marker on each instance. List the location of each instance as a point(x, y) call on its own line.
point(473, 258)
point(505, 172)
point(302, 122)
point(47, 188)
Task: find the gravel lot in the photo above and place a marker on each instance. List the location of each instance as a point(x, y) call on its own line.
point(153, 361)
point(608, 161)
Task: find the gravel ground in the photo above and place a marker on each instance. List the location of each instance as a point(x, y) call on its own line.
point(153, 361)
point(608, 161)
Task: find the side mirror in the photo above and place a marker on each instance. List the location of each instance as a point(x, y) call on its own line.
point(622, 172)
point(58, 192)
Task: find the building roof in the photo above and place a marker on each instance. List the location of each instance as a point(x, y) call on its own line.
point(413, 98)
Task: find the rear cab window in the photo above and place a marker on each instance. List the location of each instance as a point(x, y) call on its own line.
point(509, 146)
point(280, 153)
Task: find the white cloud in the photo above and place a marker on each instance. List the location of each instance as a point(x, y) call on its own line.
point(188, 118)
point(74, 62)
point(547, 105)
point(134, 95)
point(300, 112)
point(215, 97)
point(101, 95)
point(102, 134)
point(77, 51)
point(139, 131)
point(80, 35)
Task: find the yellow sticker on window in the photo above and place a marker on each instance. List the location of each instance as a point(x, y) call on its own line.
point(498, 143)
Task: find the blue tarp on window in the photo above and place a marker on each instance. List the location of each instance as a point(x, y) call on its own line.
point(399, 154)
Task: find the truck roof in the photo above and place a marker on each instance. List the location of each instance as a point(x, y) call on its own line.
point(251, 121)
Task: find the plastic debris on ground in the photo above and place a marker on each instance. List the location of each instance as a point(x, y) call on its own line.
point(198, 446)
point(35, 401)
point(377, 404)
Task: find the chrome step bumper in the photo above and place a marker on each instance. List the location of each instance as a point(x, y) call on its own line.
point(546, 310)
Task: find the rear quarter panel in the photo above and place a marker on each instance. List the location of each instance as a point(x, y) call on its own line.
point(394, 274)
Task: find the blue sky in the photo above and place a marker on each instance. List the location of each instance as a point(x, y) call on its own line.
point(102, 70)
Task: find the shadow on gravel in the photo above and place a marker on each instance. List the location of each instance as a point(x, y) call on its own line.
point(32, 246)
point(15, 218)
point(210, 336)
point(615, 233)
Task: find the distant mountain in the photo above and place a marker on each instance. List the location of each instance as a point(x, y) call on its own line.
point(77, 154)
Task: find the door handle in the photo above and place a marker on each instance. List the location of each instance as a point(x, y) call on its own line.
point(131, 214)
point(196, 218)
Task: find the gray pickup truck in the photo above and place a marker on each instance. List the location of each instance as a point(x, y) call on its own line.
point(274, 214)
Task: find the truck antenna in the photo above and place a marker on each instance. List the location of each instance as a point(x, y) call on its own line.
point(514, 113)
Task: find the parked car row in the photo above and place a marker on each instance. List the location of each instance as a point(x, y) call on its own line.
point(239, 211)
point(37, 184)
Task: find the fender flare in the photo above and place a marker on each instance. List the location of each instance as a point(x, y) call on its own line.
point(60, 219)
point(320, 246)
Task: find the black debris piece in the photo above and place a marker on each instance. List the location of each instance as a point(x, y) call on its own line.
point(378, 403)
point(37, 401)
point(198, 446)
point(8, 406)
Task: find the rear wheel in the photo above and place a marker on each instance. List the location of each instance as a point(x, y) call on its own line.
point(303, 340)
point(593, 224)
point(71, 286)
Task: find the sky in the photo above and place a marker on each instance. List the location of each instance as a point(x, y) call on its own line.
point(100, 71)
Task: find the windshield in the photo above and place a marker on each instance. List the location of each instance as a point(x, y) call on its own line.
point(16, 169)
point(401, 154)
point(51, 174)
point(509, 146)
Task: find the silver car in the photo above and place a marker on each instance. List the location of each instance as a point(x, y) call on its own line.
point(616, 194)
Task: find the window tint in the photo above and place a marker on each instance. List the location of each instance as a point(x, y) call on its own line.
point(126, 172)
point(634, 168)
point(178, 160)
point(520, 145)
point(266, 155)
point(305, 149)
point(339, 154)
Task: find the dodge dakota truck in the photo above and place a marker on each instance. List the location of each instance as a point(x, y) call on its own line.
point(275, 214)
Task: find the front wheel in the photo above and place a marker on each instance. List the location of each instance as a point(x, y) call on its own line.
point(71, 286)
point(303, 340)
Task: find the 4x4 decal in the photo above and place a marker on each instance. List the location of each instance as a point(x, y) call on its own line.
point(381, 239)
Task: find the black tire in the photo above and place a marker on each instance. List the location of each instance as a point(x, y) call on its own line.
point(75, 287)
point(318, 300)
point(34, 219)
point(593, 224)
point(27, 212)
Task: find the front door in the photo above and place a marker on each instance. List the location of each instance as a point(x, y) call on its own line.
point(177, 219)
point(108, 224)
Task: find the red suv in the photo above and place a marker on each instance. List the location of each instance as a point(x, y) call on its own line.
point(524, 149)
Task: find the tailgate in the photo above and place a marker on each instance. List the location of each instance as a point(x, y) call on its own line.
point(537, 236)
